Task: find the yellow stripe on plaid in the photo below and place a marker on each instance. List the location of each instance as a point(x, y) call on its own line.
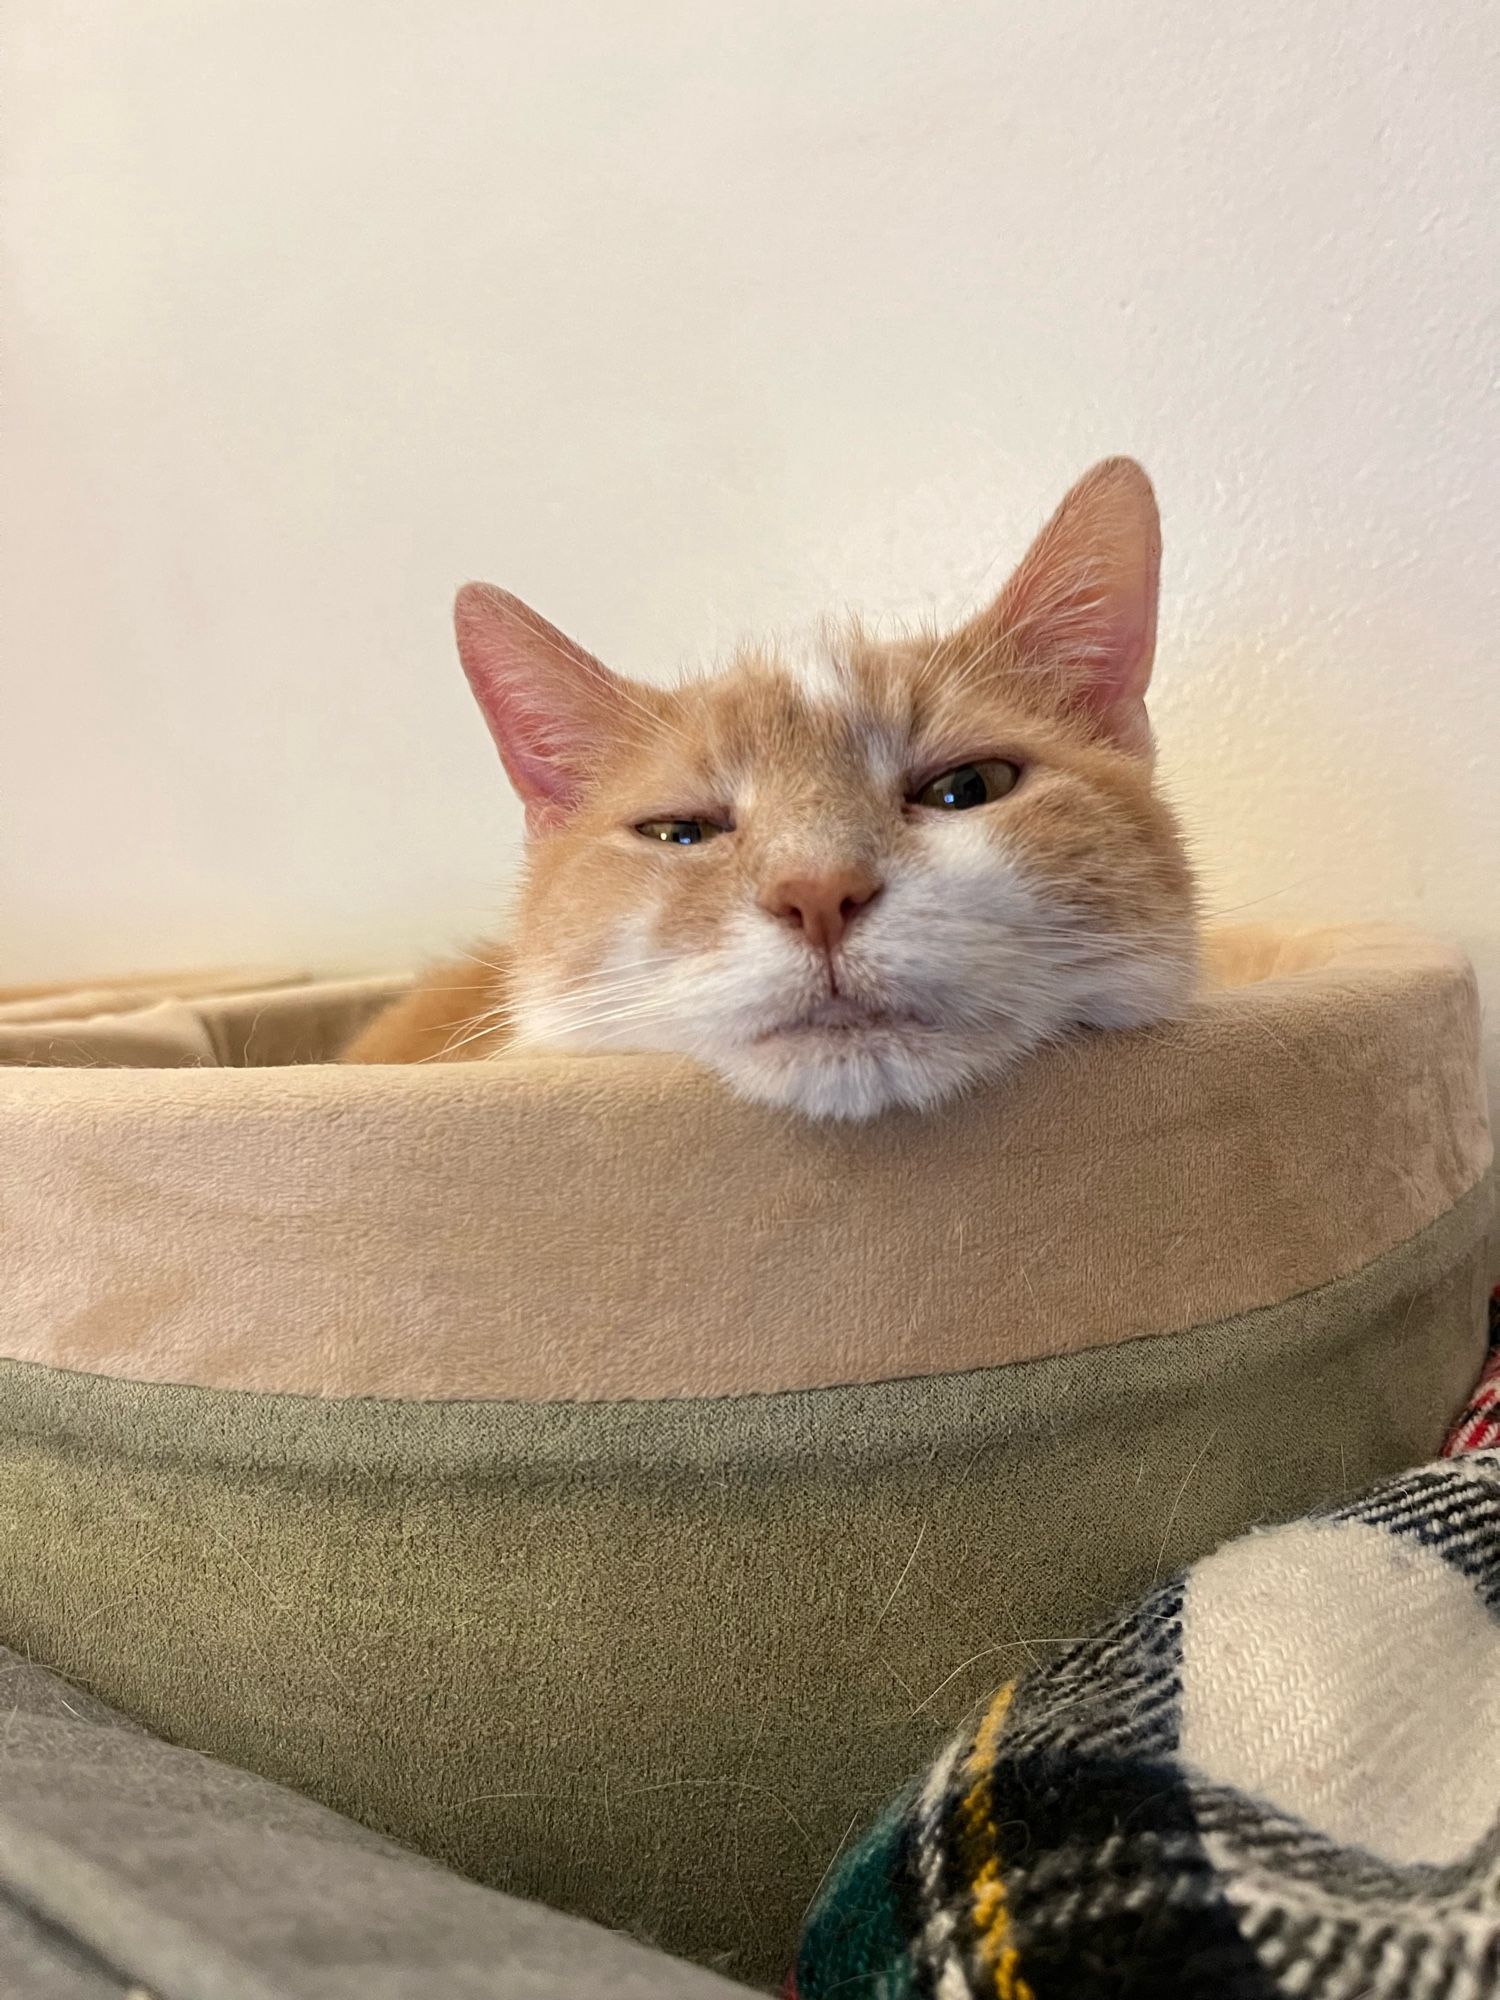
point(990, 1904)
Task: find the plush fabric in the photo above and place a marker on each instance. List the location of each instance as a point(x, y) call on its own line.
point(594, 1228)
point(575, 1649)
point(1279, 1775)
point(130, 1870)
point(236, 1019)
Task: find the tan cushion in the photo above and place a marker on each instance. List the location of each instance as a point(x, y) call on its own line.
point(556, 1227)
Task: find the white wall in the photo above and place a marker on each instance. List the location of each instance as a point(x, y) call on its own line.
point(686, 318)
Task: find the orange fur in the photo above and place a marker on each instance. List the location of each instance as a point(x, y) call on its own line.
point(435, 1021)
point(1068, 902)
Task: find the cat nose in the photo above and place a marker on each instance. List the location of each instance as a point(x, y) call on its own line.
point(822, 906)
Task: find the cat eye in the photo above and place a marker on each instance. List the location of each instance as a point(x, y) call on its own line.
point(680, 832)
point(969, 785)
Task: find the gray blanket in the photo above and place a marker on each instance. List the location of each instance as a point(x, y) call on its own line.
point(129, 1868)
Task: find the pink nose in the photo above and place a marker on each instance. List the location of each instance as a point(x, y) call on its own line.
point(821, 906)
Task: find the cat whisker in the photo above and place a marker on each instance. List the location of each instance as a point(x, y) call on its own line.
point(451, 1048)
point(564, 1029)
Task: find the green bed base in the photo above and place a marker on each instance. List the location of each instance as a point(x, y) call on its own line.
point(654, 1662)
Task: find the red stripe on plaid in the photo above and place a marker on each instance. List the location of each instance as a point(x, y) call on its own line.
point(1479, 1426)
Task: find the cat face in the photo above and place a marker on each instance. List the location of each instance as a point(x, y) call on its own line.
point(861, 875)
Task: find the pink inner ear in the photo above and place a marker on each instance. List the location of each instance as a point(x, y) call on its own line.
point(554, 711)
point(1084, 598)
point(537, 754)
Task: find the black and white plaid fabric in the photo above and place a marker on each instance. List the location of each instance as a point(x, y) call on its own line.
point(1279, 1775)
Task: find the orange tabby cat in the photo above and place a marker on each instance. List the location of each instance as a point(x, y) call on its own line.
point(845, 878)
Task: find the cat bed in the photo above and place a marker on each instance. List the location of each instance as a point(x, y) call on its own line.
point(602, 1485)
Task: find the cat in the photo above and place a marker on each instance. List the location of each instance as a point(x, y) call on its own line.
point(847, 877)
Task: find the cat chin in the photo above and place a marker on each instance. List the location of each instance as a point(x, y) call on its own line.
point(854, 1079)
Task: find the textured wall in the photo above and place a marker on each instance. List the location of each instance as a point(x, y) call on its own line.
point(683, 319)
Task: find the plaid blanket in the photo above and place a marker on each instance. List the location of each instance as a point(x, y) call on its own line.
point(1279, 1775)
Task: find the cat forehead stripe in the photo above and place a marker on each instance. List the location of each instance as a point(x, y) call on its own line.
point(816, 674)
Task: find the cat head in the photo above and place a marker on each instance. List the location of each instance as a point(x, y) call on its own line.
point(863, 874)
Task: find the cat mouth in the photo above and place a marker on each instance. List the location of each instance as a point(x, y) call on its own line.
point(842, 1016)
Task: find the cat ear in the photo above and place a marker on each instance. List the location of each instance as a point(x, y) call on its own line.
point(554, 711)
point(1082, 605)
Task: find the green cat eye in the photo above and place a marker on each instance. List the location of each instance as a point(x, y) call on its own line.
point(680, 832)
point(969, 785)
